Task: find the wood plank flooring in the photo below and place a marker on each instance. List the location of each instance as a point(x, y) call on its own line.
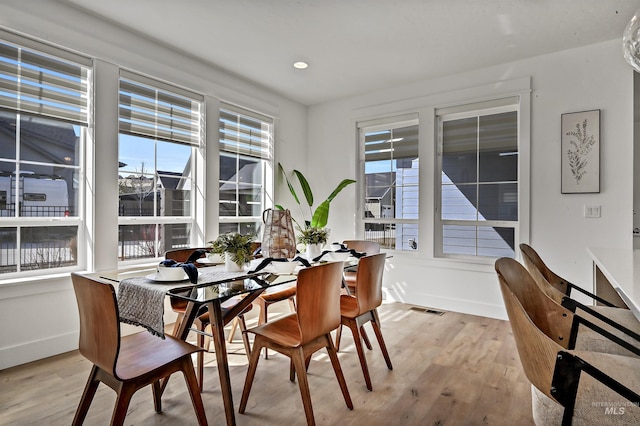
point(450, 369)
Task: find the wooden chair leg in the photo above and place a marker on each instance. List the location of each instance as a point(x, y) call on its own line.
point(200, 360)
point(376, 329)
point(251, 372)
point(125, 392)
point(333, 355)
point(365, 338)
point(262, 318)
point(234, 327)
point(292, 304)
point(176, 325)
point(192, 386)
point(297, 355)
point(87, 396)
point(338, 337)
point(355, 330)
point(245, 335)
point(157, 396)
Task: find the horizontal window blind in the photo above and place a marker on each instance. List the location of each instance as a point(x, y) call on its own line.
point(157, 113)
point(246, 133)
point(35, 83)
point(395, 143)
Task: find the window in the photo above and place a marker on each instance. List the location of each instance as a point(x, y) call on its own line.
point(44, 114)
point(246, 170)
point(479, 190)
point(389, 164)
point(160, 128)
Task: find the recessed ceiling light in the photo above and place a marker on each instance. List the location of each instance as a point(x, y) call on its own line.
point(300, 65)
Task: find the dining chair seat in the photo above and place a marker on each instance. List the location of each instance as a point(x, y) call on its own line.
point(271, 296)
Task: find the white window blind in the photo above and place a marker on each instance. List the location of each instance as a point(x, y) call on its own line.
point(35, 83)
point(245, 133)
point(156, 110)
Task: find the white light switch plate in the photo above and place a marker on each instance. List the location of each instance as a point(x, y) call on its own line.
point(591, 211)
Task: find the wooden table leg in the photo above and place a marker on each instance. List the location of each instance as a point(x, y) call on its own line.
point(219, 343)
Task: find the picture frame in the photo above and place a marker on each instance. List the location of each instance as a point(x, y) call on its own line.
point(580, 145)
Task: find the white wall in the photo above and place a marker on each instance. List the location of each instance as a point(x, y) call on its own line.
point(40, 316)
point(593, 77)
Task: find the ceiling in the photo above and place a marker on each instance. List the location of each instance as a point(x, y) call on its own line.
point(355, 46)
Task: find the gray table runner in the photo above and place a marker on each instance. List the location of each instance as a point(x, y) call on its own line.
point(141, 301)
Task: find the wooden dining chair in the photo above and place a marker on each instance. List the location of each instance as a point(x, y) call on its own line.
point(126, 363)
point(180, 305)
point(355, 311)
point(203, 323)
point(361, 246)
point(619, 321)
point(567, 385)
point(302, 333)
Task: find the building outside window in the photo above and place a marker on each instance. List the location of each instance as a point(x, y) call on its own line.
point(389, 166)
point(45, 95)
point(479, 188)
point(246, 169)
point(160, 129)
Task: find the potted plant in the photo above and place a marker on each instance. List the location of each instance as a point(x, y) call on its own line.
point(314, 231)
point(314, 239)
point(235, 248)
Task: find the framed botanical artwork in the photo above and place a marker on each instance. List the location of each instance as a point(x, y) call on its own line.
point(580, 142)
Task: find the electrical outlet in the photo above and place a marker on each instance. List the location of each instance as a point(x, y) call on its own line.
point(591, 211)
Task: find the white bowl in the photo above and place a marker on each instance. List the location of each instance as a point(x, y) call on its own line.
point(175, 273)
point(284, 267)
point(339, 256)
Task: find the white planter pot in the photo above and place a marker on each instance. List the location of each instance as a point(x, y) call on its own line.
point(230, 265)
point(313, 250)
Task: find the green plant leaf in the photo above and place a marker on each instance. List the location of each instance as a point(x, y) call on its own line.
point(293, 191)
point(279, 207)
point(306, 189)
point(321, 215)
point(340, 187)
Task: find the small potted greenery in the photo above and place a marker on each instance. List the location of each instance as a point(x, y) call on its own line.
point(314, 239)
point(235, 248)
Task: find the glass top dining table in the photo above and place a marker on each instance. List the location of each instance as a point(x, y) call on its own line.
point(214, 288)
point(245, 289)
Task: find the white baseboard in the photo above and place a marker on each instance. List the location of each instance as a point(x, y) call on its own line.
point(32, 351)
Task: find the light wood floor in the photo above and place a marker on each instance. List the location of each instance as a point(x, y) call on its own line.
point(452, 369)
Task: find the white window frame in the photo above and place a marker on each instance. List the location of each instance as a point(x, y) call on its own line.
point(368, 126)
point(263, 152)
point(40, 109)
point(195, 141)
point(501, 104)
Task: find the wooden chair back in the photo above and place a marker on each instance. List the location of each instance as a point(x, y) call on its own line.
point(318, 300)
point(99, 322)
point(182, 255)
point(369, 281)
point(536, 349)
point(363, 246)
point(551, 318)
point(539, 269)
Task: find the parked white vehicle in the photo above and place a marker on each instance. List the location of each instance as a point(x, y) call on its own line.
point(33, 195)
